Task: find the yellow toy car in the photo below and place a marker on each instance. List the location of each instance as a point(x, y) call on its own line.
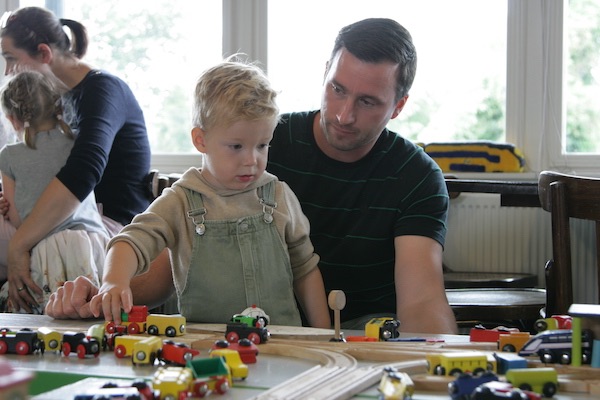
point(395, 385)
point(232, 358)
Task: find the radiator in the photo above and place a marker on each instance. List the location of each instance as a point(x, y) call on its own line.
point(483, 236)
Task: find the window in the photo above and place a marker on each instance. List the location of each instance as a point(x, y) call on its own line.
point(509, 70)
point(459, 89)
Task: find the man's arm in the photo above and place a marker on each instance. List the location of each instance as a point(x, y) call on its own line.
point(421, 302)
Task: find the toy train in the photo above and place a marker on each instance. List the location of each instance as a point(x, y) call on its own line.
point(251, 324)
point(27, 341)
point(138, 320)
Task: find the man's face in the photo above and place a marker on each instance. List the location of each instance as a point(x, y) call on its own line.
point(358, 101)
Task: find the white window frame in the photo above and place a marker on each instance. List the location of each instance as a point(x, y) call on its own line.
point(535, 112)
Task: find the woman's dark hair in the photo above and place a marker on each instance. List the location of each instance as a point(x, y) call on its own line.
point(29, 27)
point(376, 40)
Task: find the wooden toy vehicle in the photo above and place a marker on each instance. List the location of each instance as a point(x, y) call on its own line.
point(247, 349)
point(513, 342)
point(139, 390)
point(168, 325)
point(239, 330)
point(382, 328)
point(133, 322)
point(97, 331)
point(232, 358)
point(465, 384)
point(506, 361)
point(481, 334)
point(553, 323)
point(50, 337)
point(21, 342)
point(556, 346)
point(176, 353)
point(124, 344)
point(539, 380)
point(456, 363)
point(146, 351)
point(81, 343)
point(173, 383)
point(210, 374)
point(258, 314)
point(502, 390)
point(395, 385)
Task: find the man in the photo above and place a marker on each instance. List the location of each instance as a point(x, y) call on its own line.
point(377, 203)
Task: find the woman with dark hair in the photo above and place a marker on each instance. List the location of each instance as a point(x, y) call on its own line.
point(110, 156)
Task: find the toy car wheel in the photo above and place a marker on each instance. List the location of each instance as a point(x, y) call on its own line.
point(549, 389)
point(120, 351)
point(81, 351)
point(223, 344)
point(170, 331)
point(565, 359)
point(133, 328)
point(3, 347)
point(233, 337)
point(439, 370)
point(254, 337)
point(66, 349)
point(541, 325)
point(222, 386)
point(455, 372)
point(153, 330)
point(22, 348)
point(200, 389)
point(546, 357)
point(110, 327)
point(509, 348)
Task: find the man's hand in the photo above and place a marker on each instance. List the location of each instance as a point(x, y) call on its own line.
point(72, 300)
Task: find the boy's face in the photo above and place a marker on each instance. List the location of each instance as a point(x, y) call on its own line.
point(235, 156)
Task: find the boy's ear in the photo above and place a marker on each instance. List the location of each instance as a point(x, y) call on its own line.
point(198, 139)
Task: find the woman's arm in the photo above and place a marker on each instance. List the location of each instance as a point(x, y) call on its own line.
point(54, 205)
point(8, 192)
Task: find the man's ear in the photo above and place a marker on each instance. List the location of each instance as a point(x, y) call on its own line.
point(198, 139)
point(399, 106)
point(45, 53)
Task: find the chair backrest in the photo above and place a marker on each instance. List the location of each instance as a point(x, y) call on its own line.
point(566, 196)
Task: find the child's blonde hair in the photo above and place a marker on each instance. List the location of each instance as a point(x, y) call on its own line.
point(32, 99)
point(233, 91)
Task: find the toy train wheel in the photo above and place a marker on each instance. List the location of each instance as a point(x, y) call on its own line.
point(541, 325)
point(133, 328)
point(549, 389)
point(509, 348)
point(233, 337)
point(110, 327)
point(66, 348)
point(455, 372)
point(171, 331)
point(120, 351)
point(153, 330)
point(200, 389)
point(439, 370)
point(81, 351)
point(3, 347)
point(546, 357)
point(222, 386)
point(22, 348)
point(254, 337)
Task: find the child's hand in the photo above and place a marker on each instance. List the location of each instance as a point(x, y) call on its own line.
point(4, 205)
point(111, 299)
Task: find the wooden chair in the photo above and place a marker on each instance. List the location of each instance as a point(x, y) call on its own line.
point(565, 197)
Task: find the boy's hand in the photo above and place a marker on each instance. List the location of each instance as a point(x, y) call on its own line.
point(3, 206)
point(111, 299)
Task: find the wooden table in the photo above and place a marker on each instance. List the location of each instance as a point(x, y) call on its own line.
point(289, 353)
point(512, 193)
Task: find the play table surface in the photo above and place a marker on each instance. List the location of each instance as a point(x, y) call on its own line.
point(290, 353)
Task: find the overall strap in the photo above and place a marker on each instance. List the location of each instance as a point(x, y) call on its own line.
point(266, 194)
point(197, 210)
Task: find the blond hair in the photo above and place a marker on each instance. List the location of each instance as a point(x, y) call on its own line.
point(32, 99)
point(233, 91)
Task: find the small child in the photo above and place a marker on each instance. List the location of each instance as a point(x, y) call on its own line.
point(32, 105)
point(237, 236)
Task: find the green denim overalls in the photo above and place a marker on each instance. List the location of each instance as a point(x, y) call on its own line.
point(236, 264)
